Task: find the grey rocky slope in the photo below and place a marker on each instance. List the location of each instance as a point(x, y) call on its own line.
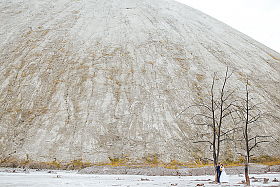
point(99, 79)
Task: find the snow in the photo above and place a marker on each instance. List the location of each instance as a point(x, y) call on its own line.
point(72, 178)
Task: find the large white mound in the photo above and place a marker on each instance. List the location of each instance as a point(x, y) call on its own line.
point(94, 79)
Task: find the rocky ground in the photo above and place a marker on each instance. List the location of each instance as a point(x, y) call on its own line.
point(184, 171)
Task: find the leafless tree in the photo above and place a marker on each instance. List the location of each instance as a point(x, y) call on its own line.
point(248, 117)
point(221, 107)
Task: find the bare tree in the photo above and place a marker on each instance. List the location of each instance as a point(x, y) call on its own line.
point(225, 108)
point(214, 115)
point(253, 142)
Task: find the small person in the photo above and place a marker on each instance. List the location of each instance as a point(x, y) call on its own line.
point(219, 171)
point(223, 176)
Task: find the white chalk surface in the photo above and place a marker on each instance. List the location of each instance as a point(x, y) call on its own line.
point(72, 178)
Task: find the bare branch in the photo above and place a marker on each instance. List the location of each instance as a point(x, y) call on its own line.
point(228, 113)
point(203, 124)
point(233, 129)
point(204, 142)
point(204, 115)
point(228, 106)
point(254, 119)
point(230, 94)
point(254, 106)
point(255, 137)
point(258, 142)
point(198, 105)
point(255, 145)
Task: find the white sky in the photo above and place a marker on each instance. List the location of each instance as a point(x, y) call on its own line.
point(259, 19)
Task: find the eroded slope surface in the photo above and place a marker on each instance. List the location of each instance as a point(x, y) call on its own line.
point(99, 79)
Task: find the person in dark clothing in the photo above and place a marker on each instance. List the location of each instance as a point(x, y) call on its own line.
point(219, 171)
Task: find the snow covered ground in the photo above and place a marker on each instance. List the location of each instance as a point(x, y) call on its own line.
point(72, 178)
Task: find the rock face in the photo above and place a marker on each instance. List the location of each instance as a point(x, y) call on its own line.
point(94, 80)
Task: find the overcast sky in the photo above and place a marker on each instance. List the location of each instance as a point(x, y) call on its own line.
point(259, 19)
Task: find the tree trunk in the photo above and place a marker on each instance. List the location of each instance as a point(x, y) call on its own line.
point(214, 130)
point(247, 174)
point(216, 173)
point(219, 125)
point(246, 138)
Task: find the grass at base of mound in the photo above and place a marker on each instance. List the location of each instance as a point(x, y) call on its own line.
point(173, 164)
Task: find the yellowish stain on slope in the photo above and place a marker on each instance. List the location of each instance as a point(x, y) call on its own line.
point(273, 57)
